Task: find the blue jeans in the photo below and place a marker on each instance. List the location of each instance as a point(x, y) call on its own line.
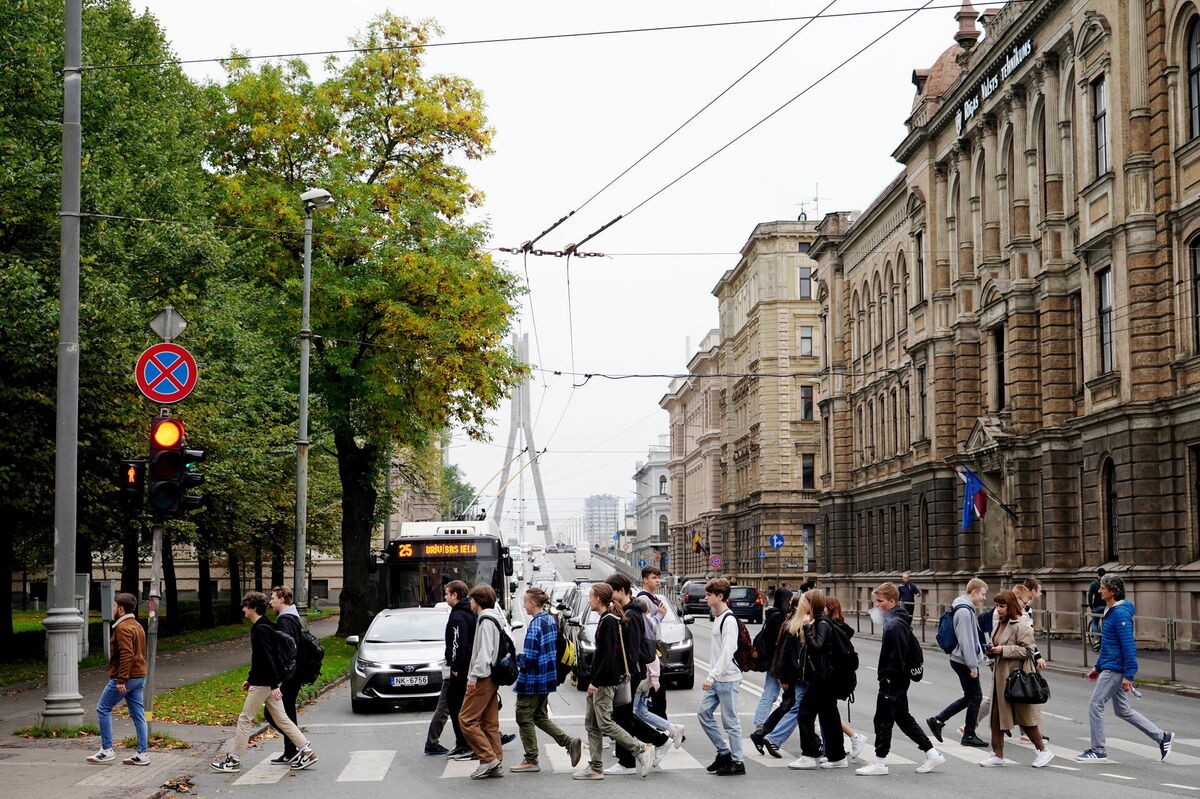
point(1108, 687)
point(109, 698)
point(788, 724)
point(723, 695)
point(769, 695)
point(641, 710)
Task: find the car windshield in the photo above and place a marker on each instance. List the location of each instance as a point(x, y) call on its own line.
point(741, 592)
point(396, 627)
point(560, 590)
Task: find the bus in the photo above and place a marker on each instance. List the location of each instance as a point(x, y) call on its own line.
point(426, 556)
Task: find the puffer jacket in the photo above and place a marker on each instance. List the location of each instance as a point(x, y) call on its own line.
point(1118, 652)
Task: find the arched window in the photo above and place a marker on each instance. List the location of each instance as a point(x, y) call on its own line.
point(662, 486)
point(1194, 253)
point(1193, 67)
point(662, 526)
point(1108, 506)
point(923, 531)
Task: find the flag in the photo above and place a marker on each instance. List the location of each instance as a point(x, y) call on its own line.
point(974, 496)
point(697, 547)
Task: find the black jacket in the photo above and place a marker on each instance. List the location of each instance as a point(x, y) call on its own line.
point(897, 638)
point(264, 663)
point(634, 630)
point(772, 626)
point(460, 637)
point(790, 665)
point(820, 635)
point(291, 625)
point(608, 667)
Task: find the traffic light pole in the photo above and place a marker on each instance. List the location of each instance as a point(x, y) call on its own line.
point(300, 583)
point(152, 620)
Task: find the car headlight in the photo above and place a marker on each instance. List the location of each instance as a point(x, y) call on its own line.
point(682, 645)
point(366, 664)
point(586, 647)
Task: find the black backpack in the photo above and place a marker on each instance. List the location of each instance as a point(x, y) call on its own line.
point(764, 644)
point(842, 678)
point(504, 669)
point(309, 656)
point(635, 618)
point(285, 652)
point(914, 658)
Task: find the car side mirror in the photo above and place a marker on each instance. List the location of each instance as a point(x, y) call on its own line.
point(352, 640)
point(689, 619)
point(574, 623)
point(518, 625)
point(512, 586)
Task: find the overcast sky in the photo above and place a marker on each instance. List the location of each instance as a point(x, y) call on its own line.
point(570, 115)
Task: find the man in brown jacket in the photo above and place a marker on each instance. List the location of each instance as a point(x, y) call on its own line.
point(126, 680)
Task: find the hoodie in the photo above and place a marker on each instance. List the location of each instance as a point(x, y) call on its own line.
point(966, 629)
point(460, 638)
point(894, 643)
point(1118, 652)
point(487, 644)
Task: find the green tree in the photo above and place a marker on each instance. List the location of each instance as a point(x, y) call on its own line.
point(457, 493)
point(410, 313)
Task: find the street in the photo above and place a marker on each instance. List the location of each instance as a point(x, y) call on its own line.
point(364, 755)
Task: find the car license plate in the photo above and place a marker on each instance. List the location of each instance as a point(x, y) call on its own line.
point(421, 679)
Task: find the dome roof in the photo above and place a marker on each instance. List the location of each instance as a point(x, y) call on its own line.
point(941, 75)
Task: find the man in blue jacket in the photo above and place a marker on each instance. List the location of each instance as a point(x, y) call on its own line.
point(1114, 672)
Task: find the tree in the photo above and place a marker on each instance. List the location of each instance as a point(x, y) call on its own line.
point(410, 313)
point(457, 493)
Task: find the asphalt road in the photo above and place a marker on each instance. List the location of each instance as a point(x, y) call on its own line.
point(372, 755)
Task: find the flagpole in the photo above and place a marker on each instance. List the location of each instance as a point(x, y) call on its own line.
point(987, 491)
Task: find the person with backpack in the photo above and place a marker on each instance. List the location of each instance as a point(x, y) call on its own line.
point(610, 668)
point(722, 683)
point(958, 636)
point(538, 679)
point(833, 609)
point(269, 667)
point(828, 664)
point(764, 648)
point(480, 715)
point(790, 669)
point(899, 661)
point(655, 700)
point(1095, 604)
point(460, 640)
point(287, 619)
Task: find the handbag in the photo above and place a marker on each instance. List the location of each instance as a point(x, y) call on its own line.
point(1026, 687)
point(624, 693)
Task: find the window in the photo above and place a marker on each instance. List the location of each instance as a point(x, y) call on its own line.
point(806, 340)
point(803, 246)
point(1194, 457)
point(906, 415)
point(662, 527)
point(805, 283)
point(662, 486)
point(808, 470)
point(806, 403)
point(1077, 326)
point(919, 265)
point(319, 590)
point(1104, 320)
point(895, 422)
point(1108, 489)
point(1100, 125)
point(1193, 64)
point(922, 418)
point(1194, 252)
point(999, 400)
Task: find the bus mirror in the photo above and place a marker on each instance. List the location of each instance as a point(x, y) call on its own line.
point(512, 586)
point(508, 567)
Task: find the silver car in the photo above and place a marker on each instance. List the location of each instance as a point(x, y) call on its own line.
point(400, 657)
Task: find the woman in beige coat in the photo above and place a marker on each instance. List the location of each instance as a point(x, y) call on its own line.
point(1012, 647)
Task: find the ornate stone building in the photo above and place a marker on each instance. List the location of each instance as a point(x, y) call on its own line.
point(1021, 299)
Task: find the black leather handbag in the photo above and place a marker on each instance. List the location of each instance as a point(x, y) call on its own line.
point(1026, 687)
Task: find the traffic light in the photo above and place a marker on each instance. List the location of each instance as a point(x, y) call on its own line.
point(169, 461)
point(130, 481)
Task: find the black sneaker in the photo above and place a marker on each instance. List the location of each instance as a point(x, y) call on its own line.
point(507, 738)
point(771, 748)
point(974, 740)
point(282, 759)
point(757, 737)
point(731, 769)
point(456, 751)
point(935, 726)
point(228, 764)
point(723, 759)
point(437, 750)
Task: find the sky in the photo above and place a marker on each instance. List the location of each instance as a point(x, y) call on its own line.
point(571, 114)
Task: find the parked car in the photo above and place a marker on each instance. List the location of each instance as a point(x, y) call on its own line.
point(691, 597)
point(399, 658)
point(747, 603)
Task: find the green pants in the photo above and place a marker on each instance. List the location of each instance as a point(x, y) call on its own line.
point(532, 711)
point(598, 721)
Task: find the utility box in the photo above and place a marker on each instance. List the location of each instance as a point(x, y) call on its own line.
point(108, 593)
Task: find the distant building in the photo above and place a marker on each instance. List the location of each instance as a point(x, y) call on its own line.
point(652, 483)
point(603, 517)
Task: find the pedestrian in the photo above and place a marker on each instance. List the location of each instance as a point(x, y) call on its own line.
point(460, 638)
point(1095, 604)
point(480, 715)
point(790, 668)
point(1011, 647)
point(891, 705)
point(126, 681)
point(965, 660)
point(609, 669)
point(1114, 672)
point(538, 678)
point(833, 609)
point(819, 702)
point(908, 594)
point(989, 620)
point(722, 684)
point(765, 644)
point(262, 687)
point(287, 619)
point(655, 700)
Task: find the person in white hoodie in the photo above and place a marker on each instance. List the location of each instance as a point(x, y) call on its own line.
point(722, 684)
point(480, 716)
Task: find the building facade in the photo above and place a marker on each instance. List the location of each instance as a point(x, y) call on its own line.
point(1021, 299)
point(603, 517)
point(652, 483)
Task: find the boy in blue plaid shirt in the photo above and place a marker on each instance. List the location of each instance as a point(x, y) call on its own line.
point(538, 679)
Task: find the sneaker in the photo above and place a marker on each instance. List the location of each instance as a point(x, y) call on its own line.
point(723, 758)
point(733, 769)
point(757, 738)
point(1164, 746)
point(437, 750)
point(660, 754)
point(872, 770)
point(857, 744)
point(1091, 756)
point(575, 749)
point(933, 759)
point(803, 763)
point(677, 735)
point(483, 770)
point(525, 767)
point(466, 754)
point(772, 749)
point(588, 774)
point(228, 764)
point(303, 759)
point(991, 761)
point(974, 740)
point(103, 757)
point(456, 751)
point(283, 758)
point(645, 761)
point(507, 738)
point(140, 759)
point(843, 763)
point(617, 770)
point(935, 726)
point(497, 768)
point(1043, 758)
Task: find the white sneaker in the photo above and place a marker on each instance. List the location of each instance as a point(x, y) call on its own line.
point(103, 757)
point(857, 744)
point(677, 735)
point(843, 763)
point(803, 763)
point(645, 761)
point(872, 770)
point(1043, 758)
point(991, 761)
point(933, 759)
point(660, 754)
point(140, 759)
point(617, 768)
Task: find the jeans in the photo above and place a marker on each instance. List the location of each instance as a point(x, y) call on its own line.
point(598, 721)
point(785, 719)
point(110, 697)
point(724, 695)
point(641, 709)
point(769, 695)
point(971, 699)
point(290, 689)
point(891, 710)
point(532, 715)
point(820, 704)
point(1108, 686)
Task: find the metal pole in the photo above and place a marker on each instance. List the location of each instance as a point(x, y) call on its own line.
point(152, 619)
point(63, 622)
point(300, 586)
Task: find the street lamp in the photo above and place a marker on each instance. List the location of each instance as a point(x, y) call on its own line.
point(312, 199)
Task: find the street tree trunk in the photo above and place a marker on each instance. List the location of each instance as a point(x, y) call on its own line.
point(357, 468)
point(277, 575)
point(235, 588)
point(205, 593)
point(7, 567)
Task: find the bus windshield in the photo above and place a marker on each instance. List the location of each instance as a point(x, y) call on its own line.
point(423, 582)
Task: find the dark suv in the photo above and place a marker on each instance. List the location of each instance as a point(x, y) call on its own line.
point(747, 603)
point(691, 597)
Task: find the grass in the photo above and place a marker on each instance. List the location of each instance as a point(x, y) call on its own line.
point(158, 740)
point(219, 699)
point(42, 731)
point(28, 620)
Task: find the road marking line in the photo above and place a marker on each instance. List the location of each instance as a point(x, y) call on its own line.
point(560, 759)
point(265, 773)
point(367, 765)
point(1056, 716)
point(1150, 752)
point(1184, 787)
point(750, 753)
point(459, 768)
point(678, 759)
point(1064, 768)
point(1116, 776)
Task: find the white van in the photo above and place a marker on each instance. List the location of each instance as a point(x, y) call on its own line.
point(583, 558)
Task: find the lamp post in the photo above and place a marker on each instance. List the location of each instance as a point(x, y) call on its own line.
point(312, 199)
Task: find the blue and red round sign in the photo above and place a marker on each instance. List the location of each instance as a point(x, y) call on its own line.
point(166, 373)
point(715, 561)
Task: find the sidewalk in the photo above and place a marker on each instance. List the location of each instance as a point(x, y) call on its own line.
point(49, 769)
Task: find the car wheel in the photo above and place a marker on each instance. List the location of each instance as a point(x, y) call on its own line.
point(359, 706)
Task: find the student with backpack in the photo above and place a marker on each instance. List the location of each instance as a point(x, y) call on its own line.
point(539, 679)
point(271, 662)
point(828, 664)
point(287, 619)
point(958, 636)
point(480, 716)
point(655, 701)
point(722, 684)
point(764, 647)
point(833, 609)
